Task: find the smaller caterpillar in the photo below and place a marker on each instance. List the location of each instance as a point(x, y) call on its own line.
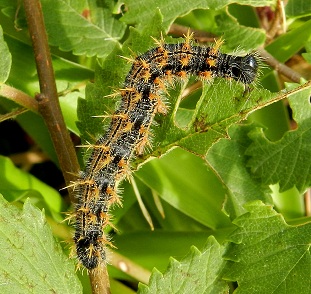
point(129, 128)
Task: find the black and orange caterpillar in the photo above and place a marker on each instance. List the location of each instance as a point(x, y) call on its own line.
point(96, 189)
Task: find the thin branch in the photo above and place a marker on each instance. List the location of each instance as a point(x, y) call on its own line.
point(279, 67)
point(189, 90)
point(19, 97)
point(12, 114)
point(49, 108)
point(27, 159)
point(129, 267)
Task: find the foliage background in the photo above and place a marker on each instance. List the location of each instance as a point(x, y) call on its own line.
point(244, 190)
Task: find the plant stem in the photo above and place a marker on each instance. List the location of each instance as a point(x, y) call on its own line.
point(100, 280)
point(279, 67)
point(49, 108)
point(129, 267)
point(48, 103)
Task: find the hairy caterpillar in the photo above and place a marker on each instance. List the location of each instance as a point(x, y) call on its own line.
point(129, 128)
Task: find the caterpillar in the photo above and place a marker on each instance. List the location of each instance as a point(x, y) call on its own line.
point(129, 128)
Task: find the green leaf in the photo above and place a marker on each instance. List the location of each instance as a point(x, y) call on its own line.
point(31, 260)
point(267, 255)
point(236, 35)
point(221, 105)
point(70, 30)
point(307, 56)
point(188, 185)
point(139, 10)
point(153, 248)
point(298, 8)
point(6, 59)
point(283, 47)
point(202, 270)
point(285, 161)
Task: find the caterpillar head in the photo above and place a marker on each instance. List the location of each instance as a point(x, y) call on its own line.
point(243, 69)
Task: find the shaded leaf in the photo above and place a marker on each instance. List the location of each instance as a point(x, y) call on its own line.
point(307, 55)
point(284, 48)
point(154, 248)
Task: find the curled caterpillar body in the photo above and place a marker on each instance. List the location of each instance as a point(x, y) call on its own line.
point(129, 128)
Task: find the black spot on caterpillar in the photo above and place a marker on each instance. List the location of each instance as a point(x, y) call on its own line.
point(96, 189)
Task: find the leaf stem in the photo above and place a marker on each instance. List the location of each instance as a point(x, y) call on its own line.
point(49, 108)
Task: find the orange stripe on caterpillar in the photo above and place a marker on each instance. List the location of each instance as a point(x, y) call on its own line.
point(96, 190)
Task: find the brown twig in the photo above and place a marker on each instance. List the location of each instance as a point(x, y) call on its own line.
point(19, 97)
point(48, 103)
point(12, 114)
point(49, 108)
point(279, 67)
point(27, 159)
point(189, 90)
point(129, 267)
point(100, 280)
